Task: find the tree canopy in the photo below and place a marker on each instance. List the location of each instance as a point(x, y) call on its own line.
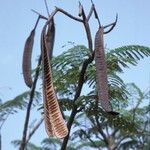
point(93, 127)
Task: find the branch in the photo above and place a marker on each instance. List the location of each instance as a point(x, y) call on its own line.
point(23, 142)
point(88, 137)
point(41, 16)
point(34, 129)
point(114, 132)
point(112, 24)
point(78, 92)
point(62, 11)
point(46, 7)
point(119, 142)
point(91, 12)
point(87, 28)
point(107, 130)
point(101, 131)
point(84, 21)
point(68, 14)
point(93, 9)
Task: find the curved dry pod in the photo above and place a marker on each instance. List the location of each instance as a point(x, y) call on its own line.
point(54, 122)
point(101, 71)
point(50, 37)
point(27, 54)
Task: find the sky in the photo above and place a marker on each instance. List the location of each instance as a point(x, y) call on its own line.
point(17, 20)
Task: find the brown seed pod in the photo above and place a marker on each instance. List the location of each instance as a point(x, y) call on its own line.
point(50, 37)
point(101, 70)
point(54, 122)
point(27, 54)
point(26, 65)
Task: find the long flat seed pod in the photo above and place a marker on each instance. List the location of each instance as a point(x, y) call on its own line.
point(101, 71)
point(54, 122)
point(26, 65)
point(50, 37)
point(27, 54)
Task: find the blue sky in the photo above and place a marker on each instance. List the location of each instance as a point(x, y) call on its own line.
point(16, 22)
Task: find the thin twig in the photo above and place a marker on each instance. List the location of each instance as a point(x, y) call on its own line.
point(37, 22)
point(112, 24)
point(88, 137)
point(91, 12)
point(87, 29)
point(41, 16)
point(93, 9)
point(68, 14)
point(62, 11)
point(100, 130)
point(92, 2)
point(23, 141)
point(46, 7)
point(34, 129)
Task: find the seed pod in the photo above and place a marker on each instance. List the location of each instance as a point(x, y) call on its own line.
point(27, 54)
point(50, 37)
point(26, 65)
point(54, 122)
point(101, 71)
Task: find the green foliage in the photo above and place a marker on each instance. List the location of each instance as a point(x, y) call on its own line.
point(92, 126)
point(18, 103)
point(30, 146)
point(52, 143)
point(120, 93)
point(125, 56)
point(66, 69)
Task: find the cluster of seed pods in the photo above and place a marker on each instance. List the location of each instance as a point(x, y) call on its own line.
point(54, 122)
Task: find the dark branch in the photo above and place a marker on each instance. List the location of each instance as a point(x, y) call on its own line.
point(62, 11)
point(87, 28)
point(77, 94)
point(41, 16)
point(91, 12)
point(23, 141)
point(93, 9)
point(80, 109)
point(68, 14)
point(112, 25)
point(84, 21)
point(34, 129)
point(101, 131)
point(120, 140)
point(96, 16)
point(37, 22)
point(88, 137)
point(89, 36)
point(114, 132)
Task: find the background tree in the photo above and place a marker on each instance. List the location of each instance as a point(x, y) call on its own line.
point(93, 127)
